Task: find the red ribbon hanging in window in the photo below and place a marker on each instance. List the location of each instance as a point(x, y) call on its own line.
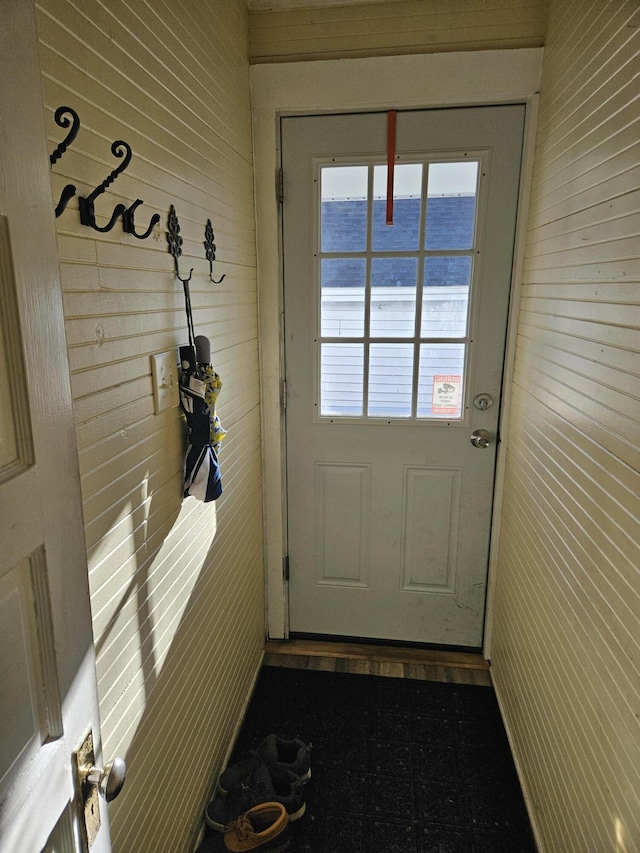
point(391, 159)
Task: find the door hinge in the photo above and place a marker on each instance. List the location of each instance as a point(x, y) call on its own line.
point(280, 186)
point(283, 395)
point(285, 567)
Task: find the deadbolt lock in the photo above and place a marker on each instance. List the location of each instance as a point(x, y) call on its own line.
point(483, 402)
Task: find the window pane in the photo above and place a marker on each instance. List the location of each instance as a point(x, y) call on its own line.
point(404, 234)
point(342, 297)
point(445, 296)
point(440, 380)
point(451, 205)
point(390, 380)
point(393, 297)
point(341, 379)
point(343, 218)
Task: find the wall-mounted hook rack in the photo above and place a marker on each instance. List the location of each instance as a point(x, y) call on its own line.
point(210, 250)
point(128, 221)
point(65, 117)
point(119, 148)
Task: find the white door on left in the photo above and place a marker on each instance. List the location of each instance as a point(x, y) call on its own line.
point(48, 699)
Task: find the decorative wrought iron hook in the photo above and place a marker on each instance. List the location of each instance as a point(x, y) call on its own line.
point(61, 117)
point(119, 148)
point(175, 242)
point(128, 221)
point(210, 250)
point(175, 249)
point(62, 120)
point(65, 197)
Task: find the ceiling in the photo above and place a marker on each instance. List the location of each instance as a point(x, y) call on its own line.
point(272, 5)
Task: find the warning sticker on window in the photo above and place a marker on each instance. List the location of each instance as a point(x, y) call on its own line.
point(446, 394)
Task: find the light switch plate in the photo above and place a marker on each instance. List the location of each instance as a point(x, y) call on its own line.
point(165, 381)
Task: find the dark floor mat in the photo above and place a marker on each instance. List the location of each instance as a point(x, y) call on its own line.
point(398, 766)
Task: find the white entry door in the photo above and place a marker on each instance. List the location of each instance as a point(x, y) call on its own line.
point(47, 677)
point(394, 348)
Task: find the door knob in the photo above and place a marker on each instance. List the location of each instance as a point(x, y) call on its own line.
point(91, 781)
point(109, 781)
point(480, 438)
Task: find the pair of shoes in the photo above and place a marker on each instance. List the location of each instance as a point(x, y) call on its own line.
point(277, 753)
point(264, 827)
point(274, 772)
point(263, 786)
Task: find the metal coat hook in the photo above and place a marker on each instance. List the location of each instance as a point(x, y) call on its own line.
point(128, 221)
point(175, 249)
point(175, 242)
point(210, 250)
point(65, 197)
point(119, 148)
point(62, 120)
point(61, 117)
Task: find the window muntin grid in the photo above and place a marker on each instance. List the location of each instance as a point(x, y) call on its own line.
point(395, 300)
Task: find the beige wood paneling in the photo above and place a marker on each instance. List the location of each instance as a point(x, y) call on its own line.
point(177, 586)
point(565, 648)
point(382, 29)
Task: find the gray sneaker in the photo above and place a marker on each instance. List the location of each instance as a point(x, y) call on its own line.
point(277, 753)
point(280, 786)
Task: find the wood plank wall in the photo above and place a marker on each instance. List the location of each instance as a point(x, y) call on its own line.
point(176, 587)
point(385, 29)
point(566, 643)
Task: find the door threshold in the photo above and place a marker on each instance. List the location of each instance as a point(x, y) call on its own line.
point(383, 643)
point(425, 664)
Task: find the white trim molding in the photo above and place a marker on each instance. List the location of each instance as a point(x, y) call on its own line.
point(337, 86)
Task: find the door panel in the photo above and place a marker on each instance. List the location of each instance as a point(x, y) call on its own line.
point(390, 333)
point(48, 696)
point(430, 525)
point(342, 490)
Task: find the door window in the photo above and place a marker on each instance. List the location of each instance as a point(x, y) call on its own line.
point(395, 300)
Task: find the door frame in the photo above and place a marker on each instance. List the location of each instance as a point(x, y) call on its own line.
point(472, 78)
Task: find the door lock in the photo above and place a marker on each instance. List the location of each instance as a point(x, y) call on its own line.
point(480, 438)
point(483, 402)
point(92, 781)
